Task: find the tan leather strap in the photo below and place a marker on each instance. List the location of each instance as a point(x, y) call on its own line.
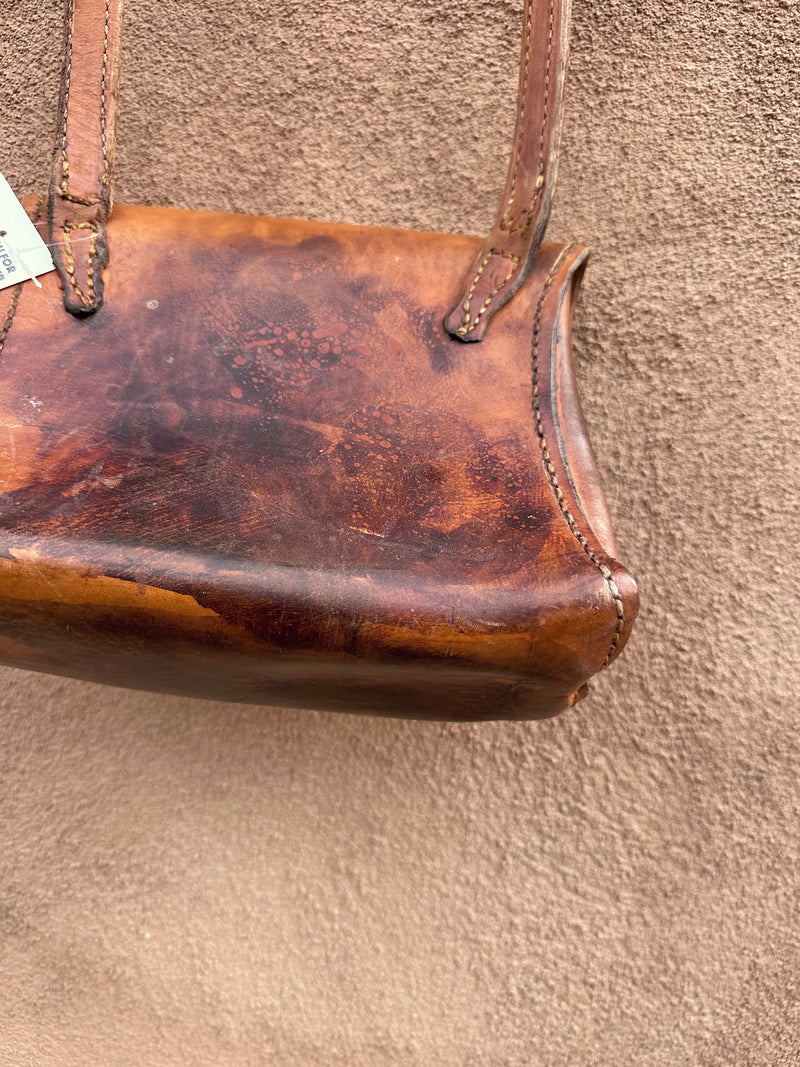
point(508, 252)
point(81, 184)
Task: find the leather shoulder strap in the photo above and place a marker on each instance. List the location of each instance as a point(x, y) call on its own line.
point(81, 184)
point(506, 255)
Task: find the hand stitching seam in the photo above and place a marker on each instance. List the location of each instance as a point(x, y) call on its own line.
point(86, 300)
point(466, 325)
point(86, 201)
point(524, 101)
point(103, 116)
point(550, 470)
point(507, 223)
point(67, 82)
point(63, 186)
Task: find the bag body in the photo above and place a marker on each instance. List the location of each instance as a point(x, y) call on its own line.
point(268, 470)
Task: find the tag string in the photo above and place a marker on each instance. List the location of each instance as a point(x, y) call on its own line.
point(19, 254)
point(56, 244)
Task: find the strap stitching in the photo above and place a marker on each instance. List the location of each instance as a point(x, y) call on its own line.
point(68, 227)
point(550, 470)
point(88, 298)
point(506, 223)
point(466, 325)
point(67, 83)
point(103, 110)
point(523, 102)
point(87, 201)
point(103, 116)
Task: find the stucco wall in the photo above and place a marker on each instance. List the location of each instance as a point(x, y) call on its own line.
point(190, 883)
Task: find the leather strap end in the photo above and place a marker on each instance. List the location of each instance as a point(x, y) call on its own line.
point(80, 251)
point(81, 185)
point(494, 278)
point(497, 272)
point(508, 252)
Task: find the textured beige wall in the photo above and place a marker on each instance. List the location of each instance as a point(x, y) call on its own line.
point(190, 883)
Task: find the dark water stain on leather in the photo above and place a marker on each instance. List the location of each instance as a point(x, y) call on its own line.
point(428, 326)
point(274, 399)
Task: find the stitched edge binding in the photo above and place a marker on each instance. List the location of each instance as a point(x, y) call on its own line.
point(550, 470)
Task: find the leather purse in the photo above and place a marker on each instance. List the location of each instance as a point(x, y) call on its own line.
point(285, 462)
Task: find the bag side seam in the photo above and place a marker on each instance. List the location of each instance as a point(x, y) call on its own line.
point(550, 471)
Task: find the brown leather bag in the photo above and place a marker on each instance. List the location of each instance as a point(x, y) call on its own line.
point(255, 459)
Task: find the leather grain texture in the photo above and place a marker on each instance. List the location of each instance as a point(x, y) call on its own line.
point(322, 497)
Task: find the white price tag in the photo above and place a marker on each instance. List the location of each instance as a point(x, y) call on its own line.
point(23, 253)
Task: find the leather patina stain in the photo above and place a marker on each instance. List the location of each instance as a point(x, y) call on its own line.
point(288, 437)
point(281, 421)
